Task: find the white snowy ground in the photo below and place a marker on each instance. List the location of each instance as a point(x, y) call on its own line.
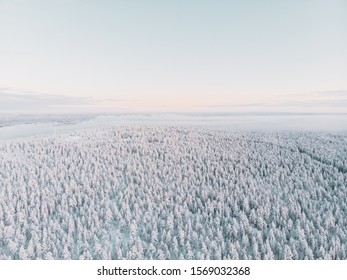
point(172, 192)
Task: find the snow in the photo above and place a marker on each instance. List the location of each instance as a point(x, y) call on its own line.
point(135, 192)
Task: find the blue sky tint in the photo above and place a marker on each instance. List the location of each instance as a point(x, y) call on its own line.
point(174, 55)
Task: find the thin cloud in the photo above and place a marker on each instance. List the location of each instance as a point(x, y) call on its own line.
point(319, 99)
point(320, 94)
point(332, 93)
point(235, 105)
point(313, 103)
point(31, 101)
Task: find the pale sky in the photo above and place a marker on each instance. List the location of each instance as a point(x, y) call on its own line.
point(182, 55)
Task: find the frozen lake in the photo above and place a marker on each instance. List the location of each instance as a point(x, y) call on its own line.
point(257, 122)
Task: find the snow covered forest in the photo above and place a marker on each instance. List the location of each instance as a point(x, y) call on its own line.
point(174, 193)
